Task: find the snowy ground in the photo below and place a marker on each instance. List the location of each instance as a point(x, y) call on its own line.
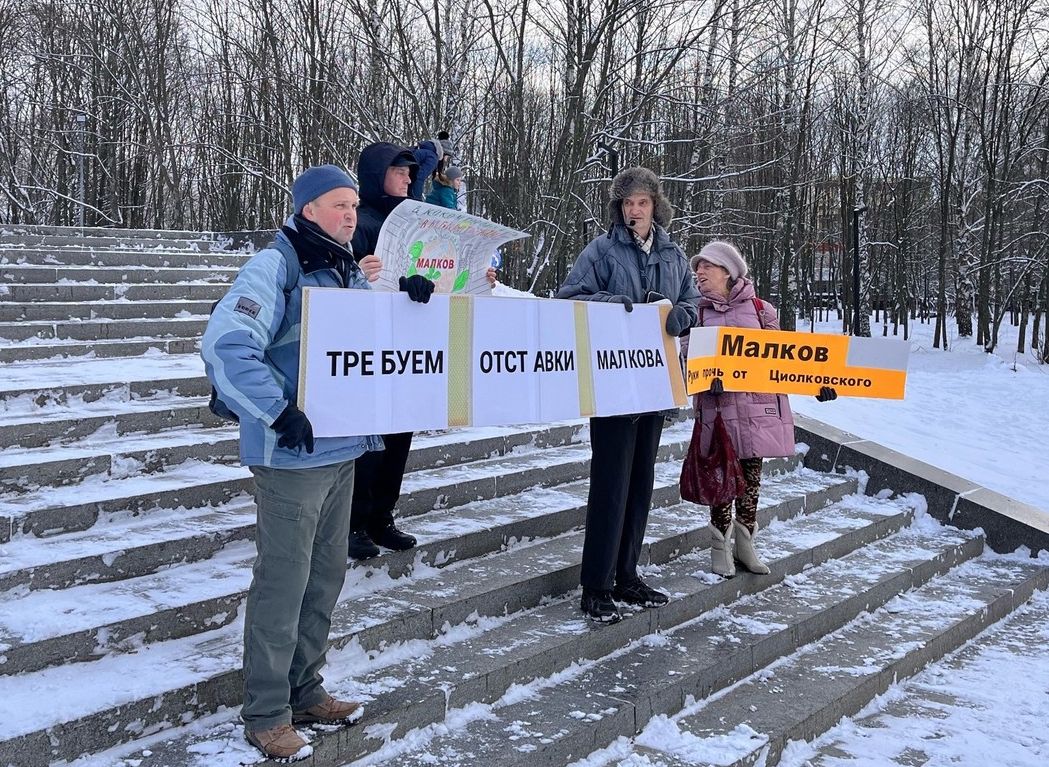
point(980, 416)
point(985, 704)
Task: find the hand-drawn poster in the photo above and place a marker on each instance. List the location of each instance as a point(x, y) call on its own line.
point(450, 247)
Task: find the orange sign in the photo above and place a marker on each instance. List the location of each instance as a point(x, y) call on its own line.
point(783, 362)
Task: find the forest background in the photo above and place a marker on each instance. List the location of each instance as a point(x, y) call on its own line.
point(771, 123)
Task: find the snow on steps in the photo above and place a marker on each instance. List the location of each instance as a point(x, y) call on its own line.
point(544, 687)
point(121, 347)
point(116, 608)
point(94, 294)
point(16, 236)
point(376, 611)
point(125, 534)
point(58, 311)
point(663, 672)
point(933, 717)
point(28, 274)
point(65, 290)
point(35, 332)
point(121, 257)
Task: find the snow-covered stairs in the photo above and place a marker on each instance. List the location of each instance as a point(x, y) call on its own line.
point(125, 553)
point(67, 294)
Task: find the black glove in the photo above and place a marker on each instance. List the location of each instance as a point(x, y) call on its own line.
point(417, 287)
point(294, 428)
point(716, 387)
point(678, 320)
point(624, 300)
point(826, 394)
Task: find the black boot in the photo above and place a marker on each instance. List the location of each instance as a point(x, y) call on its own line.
point(362, 546)
point(392, 538)
point(598, 606)
point(637, 592)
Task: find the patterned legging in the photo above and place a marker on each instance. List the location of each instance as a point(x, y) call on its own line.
point(746, 504)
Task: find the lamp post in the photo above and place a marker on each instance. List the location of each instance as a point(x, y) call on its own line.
point(856, 268)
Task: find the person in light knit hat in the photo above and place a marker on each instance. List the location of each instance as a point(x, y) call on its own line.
point(723, 254)
point(759, 425)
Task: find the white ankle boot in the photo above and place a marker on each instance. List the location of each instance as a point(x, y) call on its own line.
point(721, 552)
point(745, 553)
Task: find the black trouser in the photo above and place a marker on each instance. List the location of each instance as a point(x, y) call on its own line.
point(622, 472)
point(377, 484)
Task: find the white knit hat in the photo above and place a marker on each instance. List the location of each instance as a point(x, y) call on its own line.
point(723, 254)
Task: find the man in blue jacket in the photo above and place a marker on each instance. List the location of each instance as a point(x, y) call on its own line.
point(303, 485)
point(634, 262)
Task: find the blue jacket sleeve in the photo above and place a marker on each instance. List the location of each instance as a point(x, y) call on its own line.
point(426, 156)
point(586, 281)
point(238, 333)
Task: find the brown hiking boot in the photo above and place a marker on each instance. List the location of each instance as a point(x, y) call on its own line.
point(278, 742)
point(330, 711)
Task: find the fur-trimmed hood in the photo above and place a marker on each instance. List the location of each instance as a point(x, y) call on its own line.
point(637, 181)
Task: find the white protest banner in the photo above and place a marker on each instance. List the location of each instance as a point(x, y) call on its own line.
point(449, 247)
point(785, 362)
point(377, 363)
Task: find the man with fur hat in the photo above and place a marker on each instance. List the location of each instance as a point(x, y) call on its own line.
point(634, 262)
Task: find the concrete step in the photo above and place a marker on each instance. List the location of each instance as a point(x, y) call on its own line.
point(40, 470)
point(110, 232)
point(102, 329)
point(37, 388)
point(194, 676)
point(56, 511)
point(59, 311)
point(810, 691)
point(106, 418)
point(129, 275)
point(193, 484)
point(951, 701)
point(198, 290)
point(25, 239)
point(115, 256)
point(563, 719)
point(47, 350)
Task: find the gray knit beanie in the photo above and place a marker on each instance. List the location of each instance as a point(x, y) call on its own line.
point(723, 254)
point(639, 181)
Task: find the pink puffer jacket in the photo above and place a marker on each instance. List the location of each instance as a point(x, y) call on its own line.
point(761, 425)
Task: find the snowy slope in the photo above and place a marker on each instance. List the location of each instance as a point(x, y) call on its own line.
point(980, 416)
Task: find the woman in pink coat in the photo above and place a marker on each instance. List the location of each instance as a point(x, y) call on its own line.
point(760, 425)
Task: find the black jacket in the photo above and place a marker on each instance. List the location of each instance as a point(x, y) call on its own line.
point(376, 205)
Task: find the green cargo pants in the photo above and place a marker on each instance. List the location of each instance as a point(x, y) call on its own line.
point(301, 538)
